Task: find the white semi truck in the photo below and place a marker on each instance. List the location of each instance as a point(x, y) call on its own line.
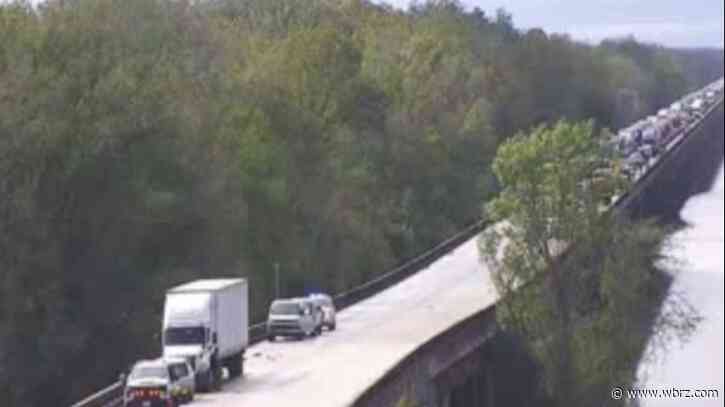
point(207, 323)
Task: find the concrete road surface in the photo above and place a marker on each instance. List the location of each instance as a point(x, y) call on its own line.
point(332, 370)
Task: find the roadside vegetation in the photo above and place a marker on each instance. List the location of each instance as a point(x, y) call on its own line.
point(585, 316)
point(144, 143)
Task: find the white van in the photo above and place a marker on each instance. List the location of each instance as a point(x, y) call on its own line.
point(295, 318)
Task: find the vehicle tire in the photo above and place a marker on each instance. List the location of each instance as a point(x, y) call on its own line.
point(333, 327)
point(205, 382)
point(271, 338)
point(209, 379)
point(217, 378)
point(235, 366)
point(199, 383)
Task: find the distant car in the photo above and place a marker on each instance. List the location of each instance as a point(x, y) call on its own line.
point(648, 152)
point(324, 301)
point(164, 382)
point(651, 135)
point(292, 317)
point(698, 104)
point(634, 163)
point(677, 121)
point(628, 141)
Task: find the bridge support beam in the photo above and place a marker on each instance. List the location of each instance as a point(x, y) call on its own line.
point(472, 386)
point(477, 391)
point(456, 368)
point(489, 386)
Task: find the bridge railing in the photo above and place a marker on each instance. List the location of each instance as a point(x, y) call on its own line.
point(391, 384)
point(387, 280)
point(112, 396)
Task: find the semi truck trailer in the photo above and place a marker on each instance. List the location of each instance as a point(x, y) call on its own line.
point(207, 323)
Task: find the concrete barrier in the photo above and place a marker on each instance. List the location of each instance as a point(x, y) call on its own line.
point(666, 169)
point(687, 168)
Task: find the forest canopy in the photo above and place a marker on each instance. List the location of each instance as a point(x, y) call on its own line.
point(144, 143)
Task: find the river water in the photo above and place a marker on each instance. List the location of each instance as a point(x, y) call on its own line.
point(697, 364)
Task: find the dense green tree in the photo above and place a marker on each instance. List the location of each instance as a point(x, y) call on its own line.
point(148, 142)
point(586, 318)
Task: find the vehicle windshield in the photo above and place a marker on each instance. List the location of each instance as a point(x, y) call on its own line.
point(284, 308)
point(184, 336)
point(323, 301)
point(149, 372)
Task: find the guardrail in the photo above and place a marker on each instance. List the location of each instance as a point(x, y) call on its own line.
point(672, 148)
point(112, 396)
point(391, 383)
point(411, 267)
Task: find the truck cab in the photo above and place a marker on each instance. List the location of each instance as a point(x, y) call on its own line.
point(190, 336)
point(206, 323)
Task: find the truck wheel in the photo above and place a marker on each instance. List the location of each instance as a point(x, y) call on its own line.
point(235, 366)
point(216, 377)
point(205, 382)
point(199, 383)
point(271, 338)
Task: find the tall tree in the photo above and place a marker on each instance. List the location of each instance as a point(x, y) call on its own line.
point(551, 201)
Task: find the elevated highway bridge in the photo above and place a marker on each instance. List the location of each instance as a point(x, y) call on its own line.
point(417, 337)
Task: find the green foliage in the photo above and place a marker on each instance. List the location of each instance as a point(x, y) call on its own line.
point(663, 77)
point(586, 318)
point(405, 402)
point(148, 142)
point(546, 197)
